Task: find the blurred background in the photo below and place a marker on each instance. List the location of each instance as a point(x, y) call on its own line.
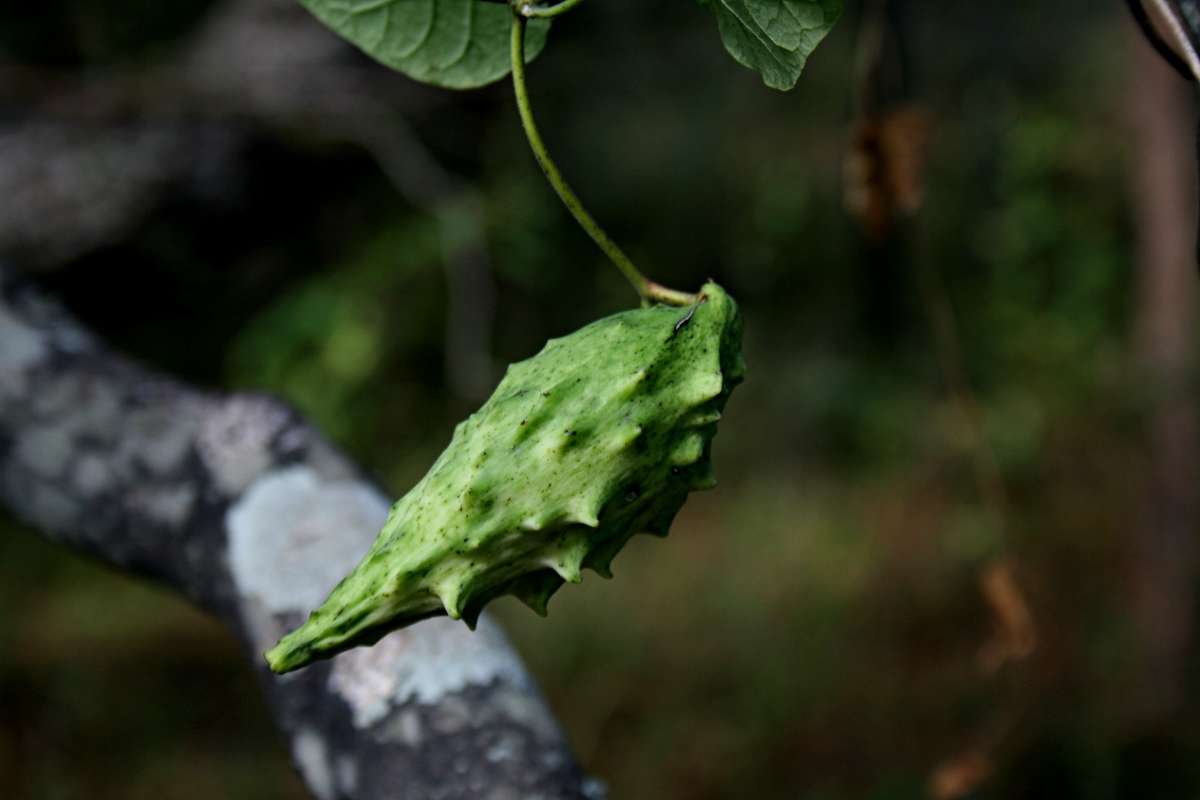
point(952, 553)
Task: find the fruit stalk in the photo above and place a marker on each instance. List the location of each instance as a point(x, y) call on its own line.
point(648, 290)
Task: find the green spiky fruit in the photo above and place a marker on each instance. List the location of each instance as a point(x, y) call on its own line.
point(599, 436)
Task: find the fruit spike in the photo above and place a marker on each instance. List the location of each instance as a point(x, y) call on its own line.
point(598, 437)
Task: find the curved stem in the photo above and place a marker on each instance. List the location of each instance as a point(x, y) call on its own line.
point(647, 289)
point(531, 11)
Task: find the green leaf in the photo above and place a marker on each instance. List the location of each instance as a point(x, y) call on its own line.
point(456, 44)
point(774, 37)
point(791, 24)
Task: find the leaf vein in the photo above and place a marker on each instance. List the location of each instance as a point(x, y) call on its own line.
point(761, 37)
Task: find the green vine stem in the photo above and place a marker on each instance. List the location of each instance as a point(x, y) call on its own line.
point(533, 11)
point(647, 289)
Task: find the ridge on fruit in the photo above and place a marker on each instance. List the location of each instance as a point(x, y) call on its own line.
point(598, 437)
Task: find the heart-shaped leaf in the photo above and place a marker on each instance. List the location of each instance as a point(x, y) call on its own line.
point(457, 44)
point(774, 37)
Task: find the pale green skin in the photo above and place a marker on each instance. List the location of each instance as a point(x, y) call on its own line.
point(599, 436)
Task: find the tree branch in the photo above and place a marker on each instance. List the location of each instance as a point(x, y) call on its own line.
point(243, 507)
point(91, 156)
point(1163, 558)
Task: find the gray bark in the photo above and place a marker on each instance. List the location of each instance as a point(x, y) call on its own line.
point(240, 505)
point(90, 157)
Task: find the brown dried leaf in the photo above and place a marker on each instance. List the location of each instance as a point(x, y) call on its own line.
point(1014, 636)
point(959, 776)
point(883, 172)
